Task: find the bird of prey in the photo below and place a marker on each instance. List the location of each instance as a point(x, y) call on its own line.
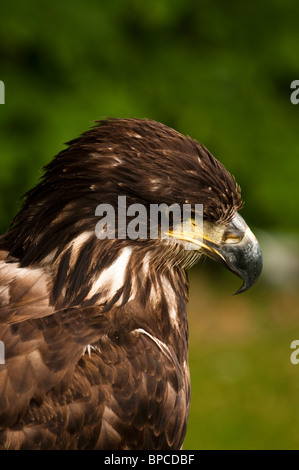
point(95, 329)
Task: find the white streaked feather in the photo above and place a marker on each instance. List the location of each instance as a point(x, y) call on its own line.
point(112, 278)
point(80, 239)
point(88, 348)
point(162, 346)
point(171, 301)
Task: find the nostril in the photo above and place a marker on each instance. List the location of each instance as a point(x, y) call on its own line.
point(235, 231)
point(230, 239)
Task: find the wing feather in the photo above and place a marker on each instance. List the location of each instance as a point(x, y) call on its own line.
point(128, 392)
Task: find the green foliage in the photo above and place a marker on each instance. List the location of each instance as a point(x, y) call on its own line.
point(244, 385)
point(218, 71)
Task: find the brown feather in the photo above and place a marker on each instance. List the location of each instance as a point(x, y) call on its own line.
point(97, 368)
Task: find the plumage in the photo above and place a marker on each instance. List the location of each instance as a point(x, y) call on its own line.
point(95, 331)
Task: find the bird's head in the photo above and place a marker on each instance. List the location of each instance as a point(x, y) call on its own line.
point(155, 166)
point(146, 164)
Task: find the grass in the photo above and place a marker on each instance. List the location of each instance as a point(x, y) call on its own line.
point(245, 390)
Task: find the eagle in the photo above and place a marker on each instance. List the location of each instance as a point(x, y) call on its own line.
point(94, 328)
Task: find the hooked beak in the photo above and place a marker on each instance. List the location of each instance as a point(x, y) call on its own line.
point(233, 245)
point(240, 253)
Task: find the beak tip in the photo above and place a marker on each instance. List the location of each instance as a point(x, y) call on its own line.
point(242, 289)
point(251, 275)
point(239, 291)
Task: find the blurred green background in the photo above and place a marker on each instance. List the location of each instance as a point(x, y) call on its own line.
point(220, 72)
